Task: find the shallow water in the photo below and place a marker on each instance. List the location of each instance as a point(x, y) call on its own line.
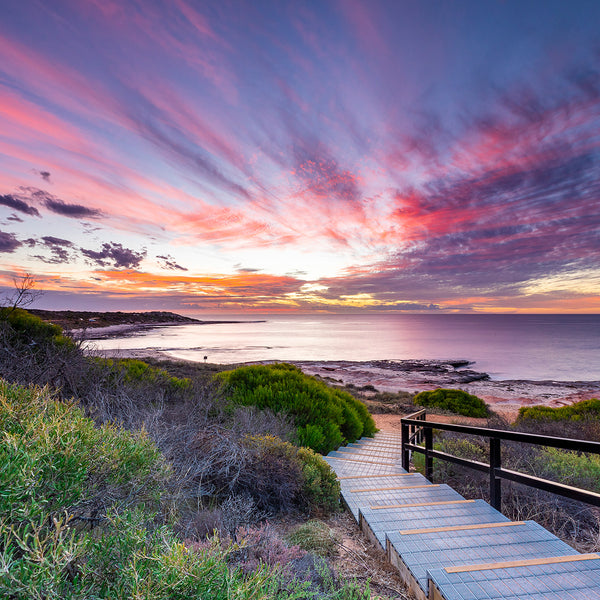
point(536, 347)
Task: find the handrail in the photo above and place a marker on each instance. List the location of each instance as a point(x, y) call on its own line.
point(415, 430)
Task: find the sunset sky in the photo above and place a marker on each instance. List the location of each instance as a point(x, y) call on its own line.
point(330, 155)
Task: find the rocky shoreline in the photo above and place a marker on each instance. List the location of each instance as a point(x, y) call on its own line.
point(504, 396)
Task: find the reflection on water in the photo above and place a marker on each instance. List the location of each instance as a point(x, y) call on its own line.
point(559, 347)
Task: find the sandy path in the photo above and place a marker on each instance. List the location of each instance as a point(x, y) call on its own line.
point(391, 423)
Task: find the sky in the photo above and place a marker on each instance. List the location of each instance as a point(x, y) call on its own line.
point(328, 155)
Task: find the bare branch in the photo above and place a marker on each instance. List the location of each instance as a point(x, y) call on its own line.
point(24, 293)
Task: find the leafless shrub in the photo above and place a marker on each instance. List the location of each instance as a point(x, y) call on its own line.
point(198, 525)
point(252, 421)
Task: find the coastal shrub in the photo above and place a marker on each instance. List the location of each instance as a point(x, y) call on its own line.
point(130, 371)
point(281, 476)
point(33, 351)
point(325, 418)
point(262, 545)
point(320, 488)
point(579, 421)
point(456, 401)
point(78, 514)
point(54, 459)
point(276, 475)
point(586, 409)
point(31, 329)
point(568, 467)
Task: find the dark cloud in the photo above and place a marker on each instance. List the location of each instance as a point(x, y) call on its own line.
point(54, 241)
point(76, 211)
point(9, 242)
point(113, 254)
point(168, 262)
point(45, 175)
point(241, 269)
point(17, 204)
point(51, 202)
point(58, 250)
point(14, 218)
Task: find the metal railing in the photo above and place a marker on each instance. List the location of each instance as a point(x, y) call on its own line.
point(416, 430)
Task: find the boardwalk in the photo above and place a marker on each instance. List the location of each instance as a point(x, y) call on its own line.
point(449, 548)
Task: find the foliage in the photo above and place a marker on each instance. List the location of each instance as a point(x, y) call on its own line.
point(32, 328)
point(456, 401)
point(78, 516)
point(285, 476)
point(276, 475)
point(321, 488)
point(133, 371)
point(569, 467)
point(580, 411)
point(314, 536)
point(325, 418)
point(54, 459)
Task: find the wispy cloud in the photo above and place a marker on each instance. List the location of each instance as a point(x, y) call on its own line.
point(392, 158)
point(168, 262)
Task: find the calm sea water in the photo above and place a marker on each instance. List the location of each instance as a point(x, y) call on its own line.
point(537, 347)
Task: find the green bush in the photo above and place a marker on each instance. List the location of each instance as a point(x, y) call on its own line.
point(32, 329)
point(568, 467)
point(586, 409)
point(54, 459)
point(325, 418)
point(133, 371)
point(282, 476)
point(455, 401)
point(320, 488)
point(314, 536)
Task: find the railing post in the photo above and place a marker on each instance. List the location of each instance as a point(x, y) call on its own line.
point(405, 432)
point(495, 482)
point(428, 457)
point(419, 438)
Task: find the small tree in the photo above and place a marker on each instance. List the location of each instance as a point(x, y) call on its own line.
point(24, 292)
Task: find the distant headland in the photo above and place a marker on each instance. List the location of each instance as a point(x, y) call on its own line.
point(105, 324)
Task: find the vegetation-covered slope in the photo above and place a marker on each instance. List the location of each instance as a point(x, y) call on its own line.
point(114, 474)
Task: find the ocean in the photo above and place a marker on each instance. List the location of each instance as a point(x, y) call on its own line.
point(534, 347)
